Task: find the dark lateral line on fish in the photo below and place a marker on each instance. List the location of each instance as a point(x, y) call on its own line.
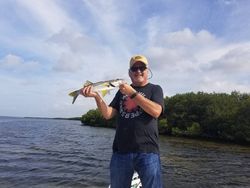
point(111, 84)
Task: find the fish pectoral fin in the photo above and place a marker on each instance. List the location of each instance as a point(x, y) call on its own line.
point(104, 92)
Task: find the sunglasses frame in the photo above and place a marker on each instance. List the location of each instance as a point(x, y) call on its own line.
point(136, 68)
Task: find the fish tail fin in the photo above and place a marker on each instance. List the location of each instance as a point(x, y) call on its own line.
point(74, 94)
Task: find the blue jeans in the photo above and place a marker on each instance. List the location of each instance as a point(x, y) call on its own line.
point(122, 167)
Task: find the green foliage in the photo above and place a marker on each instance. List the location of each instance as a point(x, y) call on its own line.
point(177, 132)
point(241, 128)
point(163, 127)
point(194, 130)
point(217, 115)
point(94, 118)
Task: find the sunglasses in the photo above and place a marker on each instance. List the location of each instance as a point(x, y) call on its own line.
point(135, 69)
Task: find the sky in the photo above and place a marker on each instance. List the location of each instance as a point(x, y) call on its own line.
point(49, 48)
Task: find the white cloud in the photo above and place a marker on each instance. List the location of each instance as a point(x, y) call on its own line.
point(183, 60)
point(93, 40)
point(83, 54)
point(78, 43)
point(48, 14)
point(108, 17)
point(181, 50)
point(15, 63)
point(187, 38)
point(236, 60)
point(212, 84)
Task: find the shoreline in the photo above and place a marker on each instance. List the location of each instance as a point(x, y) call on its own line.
point(201, 138)
point(216, 140)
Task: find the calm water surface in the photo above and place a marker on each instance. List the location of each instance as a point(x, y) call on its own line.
point(58, 154)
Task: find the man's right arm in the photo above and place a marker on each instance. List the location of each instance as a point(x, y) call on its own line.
point(106, 111)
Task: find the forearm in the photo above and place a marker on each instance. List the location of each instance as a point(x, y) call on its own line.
point(106, 111)
point(148, 106)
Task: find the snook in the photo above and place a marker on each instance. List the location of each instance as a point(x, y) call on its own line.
point(103, 87)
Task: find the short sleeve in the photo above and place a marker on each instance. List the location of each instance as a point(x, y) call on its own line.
point(115, 102)
point(157, 96)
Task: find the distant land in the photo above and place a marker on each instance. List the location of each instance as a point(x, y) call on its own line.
point(59, 118)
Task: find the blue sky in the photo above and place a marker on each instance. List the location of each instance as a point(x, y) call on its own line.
point(51, 47)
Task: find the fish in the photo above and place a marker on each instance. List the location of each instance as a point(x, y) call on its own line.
point(103, 87)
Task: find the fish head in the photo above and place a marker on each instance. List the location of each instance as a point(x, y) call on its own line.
point(117, 82)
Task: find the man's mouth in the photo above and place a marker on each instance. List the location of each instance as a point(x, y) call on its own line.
point(137, 75)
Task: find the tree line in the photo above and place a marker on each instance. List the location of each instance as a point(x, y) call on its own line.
point(219, 116)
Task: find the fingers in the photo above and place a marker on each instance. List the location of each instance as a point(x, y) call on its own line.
point(122, 88)
point(126, 89)
point(86, 91)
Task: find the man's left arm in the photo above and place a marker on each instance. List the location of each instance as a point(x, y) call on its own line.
point(152, 108)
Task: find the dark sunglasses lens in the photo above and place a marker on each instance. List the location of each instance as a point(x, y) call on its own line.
point(134, 69)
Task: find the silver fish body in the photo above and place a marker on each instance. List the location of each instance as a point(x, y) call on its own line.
point(103, 87)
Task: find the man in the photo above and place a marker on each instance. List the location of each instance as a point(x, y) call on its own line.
point(135, 146)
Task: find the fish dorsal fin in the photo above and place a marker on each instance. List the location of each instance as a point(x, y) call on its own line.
point(87, 83)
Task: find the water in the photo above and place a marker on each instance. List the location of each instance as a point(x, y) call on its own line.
point(58, 154)
point(192, 163)
point(53, 153)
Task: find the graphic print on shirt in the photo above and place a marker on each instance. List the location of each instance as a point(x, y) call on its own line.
point(128, 108)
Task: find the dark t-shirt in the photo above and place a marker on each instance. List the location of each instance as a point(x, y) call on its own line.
point(136, 130)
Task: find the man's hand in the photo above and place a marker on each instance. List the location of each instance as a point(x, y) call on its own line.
point(126, 89)
point(87, 92)
point(106, 111)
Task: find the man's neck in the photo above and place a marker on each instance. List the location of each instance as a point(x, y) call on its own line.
point(139, 84)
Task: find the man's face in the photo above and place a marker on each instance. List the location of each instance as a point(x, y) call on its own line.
point(139, 74)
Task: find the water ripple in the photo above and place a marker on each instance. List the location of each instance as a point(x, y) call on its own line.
point(41, 153)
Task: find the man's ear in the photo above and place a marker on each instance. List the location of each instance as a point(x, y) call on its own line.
point(129, 72)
